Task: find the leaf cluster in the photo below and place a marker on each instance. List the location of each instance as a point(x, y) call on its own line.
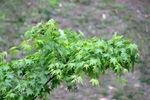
point(55, 56)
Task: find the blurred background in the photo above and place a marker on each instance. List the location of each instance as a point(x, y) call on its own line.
point(101, 18)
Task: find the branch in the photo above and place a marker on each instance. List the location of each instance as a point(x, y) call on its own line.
point(50, 78)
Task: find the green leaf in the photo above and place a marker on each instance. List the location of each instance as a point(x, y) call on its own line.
point(113, 60)
point(79, 79)
point(28, 34)
point(29, 92)
point(12, 95)
point(94, 82)
point(78, 57)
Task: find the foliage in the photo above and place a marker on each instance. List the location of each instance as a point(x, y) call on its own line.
point(86, 2)
point(54, 3)
point(102, 5)
point(55, 55)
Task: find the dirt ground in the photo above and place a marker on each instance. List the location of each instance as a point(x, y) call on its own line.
point(101, 18)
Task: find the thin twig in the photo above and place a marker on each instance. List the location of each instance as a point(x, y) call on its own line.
point(45, 84)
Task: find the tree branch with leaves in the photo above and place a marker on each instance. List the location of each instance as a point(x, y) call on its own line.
point(55, 56)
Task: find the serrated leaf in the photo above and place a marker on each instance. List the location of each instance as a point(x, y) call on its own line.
point(79, 79)
point(29, 91)
point(94, 82)
point(113, 60)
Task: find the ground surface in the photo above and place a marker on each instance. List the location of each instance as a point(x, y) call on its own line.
point(101, 18)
